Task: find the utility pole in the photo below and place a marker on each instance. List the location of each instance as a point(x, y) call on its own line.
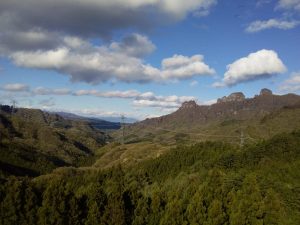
point(242, 139)
point(123, 128)
point(14, 103)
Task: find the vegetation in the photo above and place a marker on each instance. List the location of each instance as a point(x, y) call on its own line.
point(33, 142)
point(228, 130)
point(206, 183)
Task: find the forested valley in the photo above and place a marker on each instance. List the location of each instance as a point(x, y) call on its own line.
point(205, 183)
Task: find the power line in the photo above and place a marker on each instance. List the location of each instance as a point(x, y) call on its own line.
point(240, 137)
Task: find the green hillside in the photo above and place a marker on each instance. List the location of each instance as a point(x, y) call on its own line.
point(207, 183)
point(228, 129)
point(150, 142)
point(34, 142)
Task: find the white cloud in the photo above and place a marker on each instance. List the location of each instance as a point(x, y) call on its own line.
point(146, 99)
point(182, 67)
point(292, 84)
point(150, 100)
point(289, 4)
point(139, 99)
point(17, 87)
point(260, 25)
point(94, 64)
point(260, 64)
point(55, 35)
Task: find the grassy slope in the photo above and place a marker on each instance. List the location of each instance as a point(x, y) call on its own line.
point(148, 142)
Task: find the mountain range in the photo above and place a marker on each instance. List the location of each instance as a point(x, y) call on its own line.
point(259, 117)
point(112, 119)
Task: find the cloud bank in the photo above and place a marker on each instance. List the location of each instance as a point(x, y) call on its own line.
point(95, 17)
point(120, 61)
point(56, 35)
point(145, 99)
point(257, 65)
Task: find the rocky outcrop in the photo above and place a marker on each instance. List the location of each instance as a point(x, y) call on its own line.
point(189, 105)
point(234, 97)
point(265, 92)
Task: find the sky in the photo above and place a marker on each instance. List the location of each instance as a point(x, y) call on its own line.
point(144, 58)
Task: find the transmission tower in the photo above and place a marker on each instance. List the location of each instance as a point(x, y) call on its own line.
point(242, 139)
point(14, 105)
point(123, 128)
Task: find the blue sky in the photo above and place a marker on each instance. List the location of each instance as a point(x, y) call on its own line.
point(143, 58)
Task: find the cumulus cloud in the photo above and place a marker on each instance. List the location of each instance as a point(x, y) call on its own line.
point(260, 25)
point(16, 87)
point(94, 64)
point(95, 17)
point(260, 64)
point(148, 99)
point(55, 35)
point(289, 4)
point(292, 84)
point(182, 67)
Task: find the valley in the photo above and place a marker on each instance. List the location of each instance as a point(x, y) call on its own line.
point(228, 163)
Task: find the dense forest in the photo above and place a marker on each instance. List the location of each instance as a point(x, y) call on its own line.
point(206, 183)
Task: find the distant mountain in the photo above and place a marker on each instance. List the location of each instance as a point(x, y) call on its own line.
point(34, 142)
point(95, 122)
point(230, 115)
point(119, 120)
point(235, 106)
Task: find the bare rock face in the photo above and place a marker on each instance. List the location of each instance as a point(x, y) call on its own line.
point(189, 105)
point(234, 97)
point(265, 92)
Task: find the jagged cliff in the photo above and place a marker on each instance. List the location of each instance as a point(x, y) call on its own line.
point(235, 106)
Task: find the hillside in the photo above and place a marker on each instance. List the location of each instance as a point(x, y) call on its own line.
point(34, 142)
point(207, 183)
point(94, 122)
point(262, 116)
